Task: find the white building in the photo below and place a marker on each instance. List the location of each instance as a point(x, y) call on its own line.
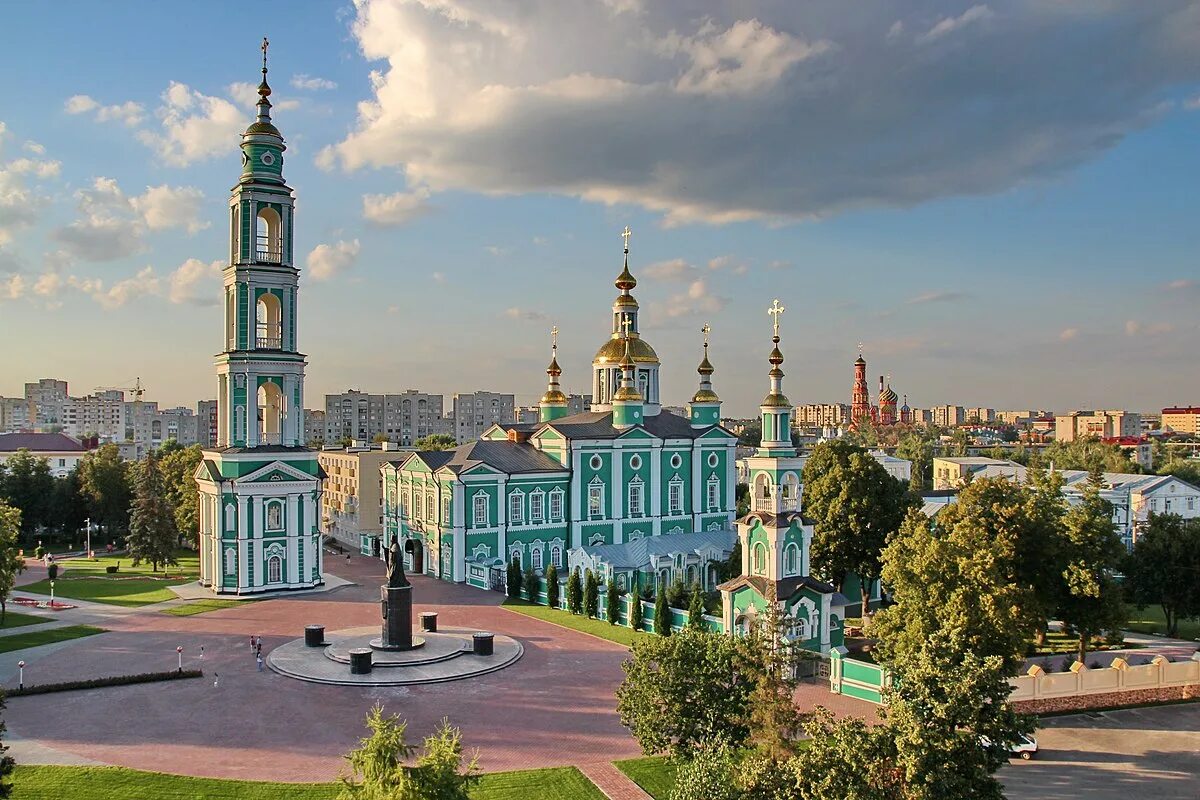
point(61, 452)
point(898, 468)
point(1097, 424)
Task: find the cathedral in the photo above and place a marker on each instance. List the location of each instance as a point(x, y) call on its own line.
point(260, 487)
point(886, 413)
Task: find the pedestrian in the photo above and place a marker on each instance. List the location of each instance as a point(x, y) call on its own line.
point(216, 678)
point(252, 643)
point(260, 662)
point(258, 651)
point(201, 652)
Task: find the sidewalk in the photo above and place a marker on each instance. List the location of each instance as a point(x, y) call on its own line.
point(614, 784)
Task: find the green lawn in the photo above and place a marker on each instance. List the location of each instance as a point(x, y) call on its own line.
point(656, 774)
point(12, 619)
point(85, 579)
point(1151, 620)
point(620, 634)
point(118, 783)
point(20, 641)
point(204, 606)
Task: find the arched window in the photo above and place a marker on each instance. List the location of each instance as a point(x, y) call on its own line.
point(791, 560)
point(275, 516)
point(556, 556)
point(556, 505)
point(762, 492)
point(800, 629)
point(759, 564)
point(269, 240)
point(230, 562)
point(239, 424)
point(536, 557)
point(516, 508)
point(430, 514)
point(515, 555)
point(636, 507)
point(714, 493)
point(691, 574)
point(270, 413)
point(537, 506)
point(790, 490)
point(274, 569)
point(268, 334)
point(675, 495)
point(230, 518)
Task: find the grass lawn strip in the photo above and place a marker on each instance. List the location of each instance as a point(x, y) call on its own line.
point(14, 620)
point(21, 641)
point(655, 774)
point(110, 783)
point(203, 606)
point(130, 586)
point(621, 634)
point(1151, 620)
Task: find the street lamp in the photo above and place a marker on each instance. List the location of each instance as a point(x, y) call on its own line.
point(179, 652)
point(21, 680)
point(87, 526)
point(52, 594)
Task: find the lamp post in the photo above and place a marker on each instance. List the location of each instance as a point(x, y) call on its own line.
point(87, 527)
point(21, 679)
point(179, 652)
point(52, 594)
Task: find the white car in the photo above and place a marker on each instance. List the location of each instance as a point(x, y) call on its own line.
point(1025, 746)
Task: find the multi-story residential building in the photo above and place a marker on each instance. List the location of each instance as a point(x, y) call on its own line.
point(314, 427)
point(353, 415)
point(475, 412)
point(48, 398)
point(1182, 419)
point(62, 453)
point(1139, 449)
point(921, 416)
point(948, 416)
point(101, 414)
point(402, 418)
point(980, 414)
point(1096, 424)
point(206, 423)
point(14, 415)
point(351, 504)
point(823, 415)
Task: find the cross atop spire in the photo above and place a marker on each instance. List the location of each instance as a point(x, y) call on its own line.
point(706, 330)
point(265, 45)
point(554, 338)
point(626, 323)
point(625, 234)
point(775, 310)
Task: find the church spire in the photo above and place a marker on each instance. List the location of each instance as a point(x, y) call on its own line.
point(554, 403)
point(628, 400)
point(262, 143)
point(705, 408)
point(776, 408)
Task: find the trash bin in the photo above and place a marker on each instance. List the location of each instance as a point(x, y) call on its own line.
point(429, 621)
point(314, 635)
point(483, 643)
point(360, 661)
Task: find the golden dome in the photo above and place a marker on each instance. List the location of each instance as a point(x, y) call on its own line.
point(776, 401)
point(614, 349)
point(625, 300)
point(706, 367)
point(628, 394)
point(554, 397)
point(705, 396)
point(553, 369)
point(889, 396)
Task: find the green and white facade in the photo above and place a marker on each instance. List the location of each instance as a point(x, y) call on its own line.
point(560, 490)
point(776, 540)
point(260, 488)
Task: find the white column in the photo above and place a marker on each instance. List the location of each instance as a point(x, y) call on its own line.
point(731, 480)
point(824, 623)
point(306, 537)
point(287, 425)
point(698, 456)
point(294, 537)
point(259, 572)
point(502, 521)
point(243, 542)
point(618, 489)
point(656, 457)
point(251, 409)
point(575, 501)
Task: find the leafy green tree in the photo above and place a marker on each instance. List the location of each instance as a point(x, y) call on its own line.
point(918, 449)
point(710, 774)
point(179, 465)
point(1186, 469)
point(591, 594)
point(11, 564)
point(662, 614)
point(512, 583)
point(70, 505)
point(1161, 571)
point(696, 607)
point(677, 594)
point(531, 585)
point(105, 478)
point(436, 441)
point(552, 586)
point(612, 602)
point(152, 535)
point(1092, 601)
point(7, 763)
point(855, 505)
point(685, 690)
point(378, 771)
point(636, 612)
point(1088, 453)
point(29, 486)
point(775, 722)
point(575, 592)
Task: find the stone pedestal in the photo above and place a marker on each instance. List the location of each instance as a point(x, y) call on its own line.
point(429, 621)
point(397, 618)
point(483, 643)
point(314, 635)
point(360, 661)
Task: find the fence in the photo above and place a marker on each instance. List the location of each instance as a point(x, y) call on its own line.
point(679, 617)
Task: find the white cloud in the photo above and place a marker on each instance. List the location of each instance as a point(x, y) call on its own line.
point(328, 261)
point(20, 202)
point(935, 297)
point(12, 287)
point(705, 116)
point(111, 225)
point(194, 126)
point(1068, 334)
point(730, 264)
point(525, 314)
point(779, 264)
point(1135, 327)
point(438, 277)
point(48, 284)
point(676, 269)
point(196, 282)
point(165, 206)
point(144, 284)
point(35, 148)
point(311, 83)
point(495, 250)
point(245, 95)
point(395, 209)
point(129, 112)
point(698, 299)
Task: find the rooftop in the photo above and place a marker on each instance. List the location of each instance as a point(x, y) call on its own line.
point(40, 443)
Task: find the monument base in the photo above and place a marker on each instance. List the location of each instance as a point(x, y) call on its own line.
point(396, 602)
point(378, 644)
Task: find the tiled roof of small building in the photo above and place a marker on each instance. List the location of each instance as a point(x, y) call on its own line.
point(39, 442)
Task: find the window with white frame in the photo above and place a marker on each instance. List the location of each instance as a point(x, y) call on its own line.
point(635, 498)
point(676, 460)
point(1153, 505)
point(714, 493)
point(675, 496)
point(556, 556)
point(516, 508)
point(230, 517)
point(536, 557)
point(537, 503)
point(481, 510)
point(1167, 504)
point(430, 516)
point(596, 538)
point(230, 562)
point(800, 629)
point(274, 569)
point(1191, 503)
point(759, 562)
point(556, 505)
point(446, 509)
point(515, 555)
point(596, 499)
point(791, 559)
point(275, 516)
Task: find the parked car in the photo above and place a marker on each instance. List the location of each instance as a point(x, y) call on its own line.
point(1025, 747)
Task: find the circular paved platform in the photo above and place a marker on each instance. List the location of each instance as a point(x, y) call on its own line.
point(446, 656)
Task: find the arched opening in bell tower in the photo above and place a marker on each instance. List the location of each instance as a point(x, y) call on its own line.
point(269, 242)
point(270, 412)
point(269, 332)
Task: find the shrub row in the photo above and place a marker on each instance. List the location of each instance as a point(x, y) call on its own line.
point(115, 680)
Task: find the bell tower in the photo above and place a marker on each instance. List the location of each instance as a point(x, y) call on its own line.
point(259, 486)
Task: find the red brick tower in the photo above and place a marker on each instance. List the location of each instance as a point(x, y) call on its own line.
point(860, 396)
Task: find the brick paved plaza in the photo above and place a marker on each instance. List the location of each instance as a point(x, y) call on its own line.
point(554, 707)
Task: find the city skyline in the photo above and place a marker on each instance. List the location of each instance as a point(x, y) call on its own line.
point(425, 265)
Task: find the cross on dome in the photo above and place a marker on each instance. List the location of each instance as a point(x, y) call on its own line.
point(554, 337)
point(625, 234)
point(706, 330)
point(626, 323)
point(775, 310)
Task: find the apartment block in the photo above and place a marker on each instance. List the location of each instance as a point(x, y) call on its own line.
point(314, 426)
point(475, 412)
point(1182, 419)
point(981, 414)
point(1097, 424)
point(402, 418)
point(206, 423)
point(352, 496)
point(948, 416)
point(822, 415)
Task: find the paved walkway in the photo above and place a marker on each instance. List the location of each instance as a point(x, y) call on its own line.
point(615, 785)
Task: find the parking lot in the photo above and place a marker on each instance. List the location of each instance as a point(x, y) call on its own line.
point(1136, 753)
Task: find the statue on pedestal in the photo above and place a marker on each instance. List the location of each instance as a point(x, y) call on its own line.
point(395, 600)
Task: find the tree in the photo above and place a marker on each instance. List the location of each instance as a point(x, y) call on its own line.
point(512, 583)
point(918, 449)
point(1186, 469)
point(846, 758)
point(662, 614)
point(378, 771)
point(855, 505)
point(552, 586)
point(696, 608)
point(179, 467)
point(775, 722)
point(591, 594)
point(70, 505)
point(436, 441)
point(612, 602)
point(683, 691)
point(532, 585)
point(636, 612)
point(575, 592)
point(29, 486)
point(7, 763)
point(710, 774)
point(1092, 600)
point(104, 476)
point(11, 564)
point(380, 438)
point(152, 535)
point(1163, 566)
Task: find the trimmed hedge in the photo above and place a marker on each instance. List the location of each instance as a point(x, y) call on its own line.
point(98, 683)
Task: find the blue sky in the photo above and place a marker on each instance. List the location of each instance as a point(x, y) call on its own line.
point(998, 200)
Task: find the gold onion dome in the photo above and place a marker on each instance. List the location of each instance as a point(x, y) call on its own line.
point(625, 281)
point(705, 367)
point(554, 397)
point(613, 350)
point(705, 396)
point(860, 361)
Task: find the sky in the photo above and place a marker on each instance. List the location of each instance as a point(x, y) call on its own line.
point(997, 200)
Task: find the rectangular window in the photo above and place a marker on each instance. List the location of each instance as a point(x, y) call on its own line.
point(1191, 503)
point(556, 506)
point(675, 495)
point(481, 511)
point(536, 501)
point(1167, 504)
point(595, 500)
point(446, 510)
point(714, 488)
point(516, 509)
point(635, 499)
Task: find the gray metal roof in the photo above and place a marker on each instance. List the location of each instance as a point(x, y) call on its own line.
point(508, 457)
point(637, 554)
point(598, 425)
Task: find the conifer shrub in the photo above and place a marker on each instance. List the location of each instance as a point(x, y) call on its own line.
point(552, 586)
point(662, 615)
point(575, 592)
point(531, 585)
point(613, 601)
point(513, 583)
point(635, 612)
point(591, 594)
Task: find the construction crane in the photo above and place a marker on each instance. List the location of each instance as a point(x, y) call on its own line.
point(137, 391)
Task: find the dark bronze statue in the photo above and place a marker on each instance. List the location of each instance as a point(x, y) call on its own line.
point(394, 561)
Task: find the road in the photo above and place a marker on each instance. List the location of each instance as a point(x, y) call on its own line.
point(1113, 755)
